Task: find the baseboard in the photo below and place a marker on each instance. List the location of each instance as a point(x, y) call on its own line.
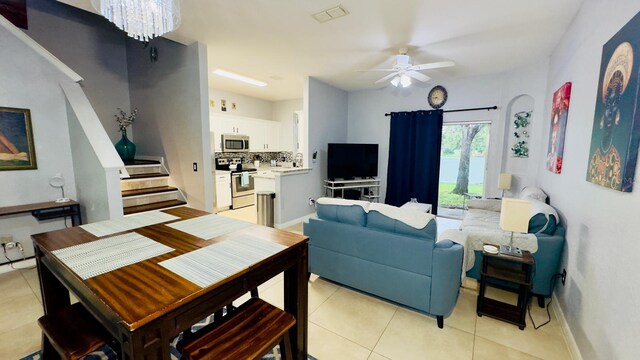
point(574, 351)
point(294, 221)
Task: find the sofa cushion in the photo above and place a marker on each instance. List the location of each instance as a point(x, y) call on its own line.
point(485, 204)
point(402, 221)
point(544, 218)
point(345, 211)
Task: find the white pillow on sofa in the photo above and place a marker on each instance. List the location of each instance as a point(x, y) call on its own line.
point(532, 192)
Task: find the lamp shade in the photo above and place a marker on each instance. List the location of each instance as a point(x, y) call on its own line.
point(505, 181)
point(515, 215)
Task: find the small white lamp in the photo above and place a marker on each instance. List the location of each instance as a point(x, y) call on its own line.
point(504, 183)
point(514, 217)
point(58, 181)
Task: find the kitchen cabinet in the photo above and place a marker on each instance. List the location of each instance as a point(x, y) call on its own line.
point(223, 189)
point(264, 135)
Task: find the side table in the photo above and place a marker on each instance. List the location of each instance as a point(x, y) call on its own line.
point(511, 270)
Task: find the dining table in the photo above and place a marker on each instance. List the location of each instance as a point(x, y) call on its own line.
point(145, 305)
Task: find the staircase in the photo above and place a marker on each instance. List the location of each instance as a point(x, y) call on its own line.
point(147, 188)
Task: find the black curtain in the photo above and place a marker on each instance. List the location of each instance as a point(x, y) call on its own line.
point(414, 157)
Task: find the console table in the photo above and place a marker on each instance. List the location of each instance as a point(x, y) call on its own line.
point(47, 210)
point(369, 189)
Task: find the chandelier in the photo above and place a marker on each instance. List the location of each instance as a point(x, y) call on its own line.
point(141, 19)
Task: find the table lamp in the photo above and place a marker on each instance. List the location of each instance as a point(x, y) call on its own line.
point(504, 183)
point(514, 217)
point(58, 181)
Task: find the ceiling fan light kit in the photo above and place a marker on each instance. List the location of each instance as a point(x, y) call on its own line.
point(405, 80)
point(403, 71)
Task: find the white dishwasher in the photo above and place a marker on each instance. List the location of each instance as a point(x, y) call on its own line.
point(223, 190)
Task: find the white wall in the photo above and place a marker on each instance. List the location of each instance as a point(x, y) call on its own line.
point(522, 90)
point(93, 48)
point(28, 81)
point(283, 111)
point(367, 123)
point(95, 159)
point(325, 107)
point(173, 118)
point(246, 106)
point(602, 293)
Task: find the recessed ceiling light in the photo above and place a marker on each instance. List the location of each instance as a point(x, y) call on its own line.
point(238, 77)
point(330, 14)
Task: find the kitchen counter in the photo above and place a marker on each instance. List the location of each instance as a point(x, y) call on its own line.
point(284, 171)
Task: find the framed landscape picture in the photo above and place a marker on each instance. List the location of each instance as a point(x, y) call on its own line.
point(616, 124)
point(559, 113)
point(16, 140)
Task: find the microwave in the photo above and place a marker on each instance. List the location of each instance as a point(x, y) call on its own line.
point(235, 143)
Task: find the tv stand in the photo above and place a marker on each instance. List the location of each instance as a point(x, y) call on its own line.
point(369, 189)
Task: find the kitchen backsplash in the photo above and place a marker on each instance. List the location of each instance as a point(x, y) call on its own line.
point(265, 157)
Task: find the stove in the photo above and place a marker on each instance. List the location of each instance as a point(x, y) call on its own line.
point(242, 187)
point(230, 164)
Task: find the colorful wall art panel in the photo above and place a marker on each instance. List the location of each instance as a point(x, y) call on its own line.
point(559, 113)
point(616, 124)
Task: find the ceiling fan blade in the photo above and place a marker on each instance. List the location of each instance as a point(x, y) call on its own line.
point(418, 76)
point(386, 77)
point(434, 65)
point(378, 70)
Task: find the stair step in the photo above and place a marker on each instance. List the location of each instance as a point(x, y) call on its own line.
point(141, 162)
point(153, 206)
point(146, 176)
point(147, 191)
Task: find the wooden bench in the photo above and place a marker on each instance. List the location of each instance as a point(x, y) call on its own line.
point(251, 331)
point(72, 332)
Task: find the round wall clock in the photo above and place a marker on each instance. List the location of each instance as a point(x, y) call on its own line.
point(437, 97)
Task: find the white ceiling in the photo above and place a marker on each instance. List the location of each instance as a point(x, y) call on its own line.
point(278, 41)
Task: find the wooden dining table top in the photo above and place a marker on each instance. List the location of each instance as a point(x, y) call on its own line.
point(142, 292)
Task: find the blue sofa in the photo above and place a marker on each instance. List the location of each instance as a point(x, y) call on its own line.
point(546, 227)
point(383, 256)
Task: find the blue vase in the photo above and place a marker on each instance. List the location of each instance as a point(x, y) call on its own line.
point(125, 148)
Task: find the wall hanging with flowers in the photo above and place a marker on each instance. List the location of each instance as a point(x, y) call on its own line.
point(521, 134)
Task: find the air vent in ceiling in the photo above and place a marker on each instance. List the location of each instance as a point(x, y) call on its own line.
point(330, 14)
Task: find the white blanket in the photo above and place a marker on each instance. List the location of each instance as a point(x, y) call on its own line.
point(343, 202)
point(475, 239)
point(413, 218)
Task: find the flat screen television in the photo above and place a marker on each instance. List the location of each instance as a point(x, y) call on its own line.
point(348, 161)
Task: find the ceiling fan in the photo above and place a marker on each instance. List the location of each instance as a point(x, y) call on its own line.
point(403, 71)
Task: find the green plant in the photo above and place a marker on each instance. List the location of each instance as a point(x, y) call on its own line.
point(125, 120)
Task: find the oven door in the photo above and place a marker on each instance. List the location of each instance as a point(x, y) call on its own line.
point(240, 189)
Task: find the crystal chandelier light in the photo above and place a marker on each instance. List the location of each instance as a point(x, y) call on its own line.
point(141, 19)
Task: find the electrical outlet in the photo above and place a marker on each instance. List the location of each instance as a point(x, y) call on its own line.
point(311, 202)
point(10, 245)
point(564, 276)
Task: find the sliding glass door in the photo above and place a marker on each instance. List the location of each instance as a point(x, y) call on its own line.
point(462, 165)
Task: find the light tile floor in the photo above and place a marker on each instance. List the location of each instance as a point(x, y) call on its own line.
point(343, 324)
